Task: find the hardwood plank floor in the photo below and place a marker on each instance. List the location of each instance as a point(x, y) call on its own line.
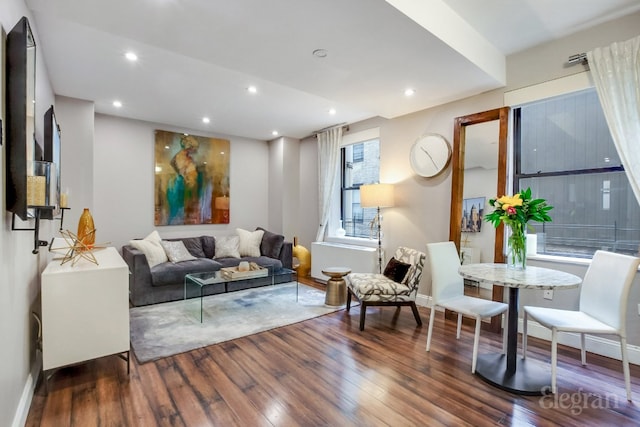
point(325, 372)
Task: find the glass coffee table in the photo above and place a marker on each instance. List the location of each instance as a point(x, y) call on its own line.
point(195, 283)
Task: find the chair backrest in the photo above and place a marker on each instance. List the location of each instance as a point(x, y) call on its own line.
point(446, 282)
point(416, 259)
point(605, 288)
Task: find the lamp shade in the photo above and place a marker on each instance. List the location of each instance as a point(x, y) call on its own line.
point(376, 195)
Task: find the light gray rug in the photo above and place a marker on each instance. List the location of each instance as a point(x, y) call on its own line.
point(166, 329)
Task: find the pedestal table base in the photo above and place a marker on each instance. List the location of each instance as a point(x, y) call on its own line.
point(531, 377)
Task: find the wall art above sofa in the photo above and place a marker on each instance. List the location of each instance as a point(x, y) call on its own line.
point(191, 179)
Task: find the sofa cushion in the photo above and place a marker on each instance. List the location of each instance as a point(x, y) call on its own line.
point(208, 246)
point(271, 244)
point(176, 251)
point(168, 273)
point(249, 242)
point(193, 245)
point(227, 246)
point(377, 287)
point(150, 246)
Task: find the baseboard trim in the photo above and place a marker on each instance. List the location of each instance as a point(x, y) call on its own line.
point(594, 344)
point(22, 411)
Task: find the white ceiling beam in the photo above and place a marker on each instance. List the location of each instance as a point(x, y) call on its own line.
point(440, 20)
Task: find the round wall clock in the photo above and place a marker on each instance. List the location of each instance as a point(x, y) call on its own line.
point(430, 155)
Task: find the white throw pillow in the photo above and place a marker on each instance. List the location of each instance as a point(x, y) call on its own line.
point(150, 246)
point(176, 251)
point(227, 247)
point(154, 236)
point(249, 242)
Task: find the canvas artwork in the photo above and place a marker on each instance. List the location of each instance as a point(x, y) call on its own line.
point(191, 179)
point(472, 213)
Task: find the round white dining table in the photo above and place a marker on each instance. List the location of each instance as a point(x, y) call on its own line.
point(508, 372)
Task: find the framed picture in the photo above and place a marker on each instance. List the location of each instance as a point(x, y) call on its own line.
point(191, 179)
point(472, 214)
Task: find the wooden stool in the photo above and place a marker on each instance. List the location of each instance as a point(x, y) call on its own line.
point(336, 287)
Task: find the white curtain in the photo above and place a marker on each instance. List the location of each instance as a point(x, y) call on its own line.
point(616, 73)
point(328, 168)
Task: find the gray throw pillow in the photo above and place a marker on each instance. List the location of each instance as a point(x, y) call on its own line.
point(271, 244)
point(193, 245)
point(176, 251)
point(208, 246)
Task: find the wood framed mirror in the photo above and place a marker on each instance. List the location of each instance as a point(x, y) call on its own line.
point(480, 143)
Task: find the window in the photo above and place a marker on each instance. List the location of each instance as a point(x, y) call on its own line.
point(565, 153)
point(358, 152)
point(360, 165)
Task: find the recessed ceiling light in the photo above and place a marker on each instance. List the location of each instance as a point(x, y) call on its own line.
point(332, 111)
point(117, 104)
point(274, 133)
point(131, 56)
point(409, 92)
point(205, 120)
point(252, 89)
point(320, 53)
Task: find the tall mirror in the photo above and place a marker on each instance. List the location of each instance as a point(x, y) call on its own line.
point(479, 172)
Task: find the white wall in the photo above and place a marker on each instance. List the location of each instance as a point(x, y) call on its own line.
point(290, 188)
point(123, 173)
point(276, 180)
point(76, 120)
point(19, 275)
point(284, 168)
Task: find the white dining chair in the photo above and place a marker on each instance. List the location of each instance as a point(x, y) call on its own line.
point(602, 310)
point(447, 291)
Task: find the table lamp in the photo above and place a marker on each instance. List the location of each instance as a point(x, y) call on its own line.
point(377, 196)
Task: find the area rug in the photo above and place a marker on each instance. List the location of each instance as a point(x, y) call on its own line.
point(166, 329)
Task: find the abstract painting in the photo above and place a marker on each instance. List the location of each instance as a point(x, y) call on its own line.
point(191, 179)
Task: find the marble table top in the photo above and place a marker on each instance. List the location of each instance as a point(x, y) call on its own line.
point(530, 278)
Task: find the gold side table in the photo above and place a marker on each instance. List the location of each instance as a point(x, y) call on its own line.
point(336, 287)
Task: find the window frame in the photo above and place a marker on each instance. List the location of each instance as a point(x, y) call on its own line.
point(351, 138)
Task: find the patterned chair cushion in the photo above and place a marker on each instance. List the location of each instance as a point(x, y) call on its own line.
point(377, 287)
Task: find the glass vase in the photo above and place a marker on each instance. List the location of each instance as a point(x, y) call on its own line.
point(517, 246)
point(86, 229)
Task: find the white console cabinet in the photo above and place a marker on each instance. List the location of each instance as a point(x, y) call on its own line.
point(85, 310)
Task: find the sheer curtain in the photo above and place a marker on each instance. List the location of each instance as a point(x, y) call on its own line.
point(328, 168)
point(616, 73)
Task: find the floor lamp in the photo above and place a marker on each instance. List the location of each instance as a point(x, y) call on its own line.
point(377, 196)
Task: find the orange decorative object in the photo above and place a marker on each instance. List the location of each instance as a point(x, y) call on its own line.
point(86, 229)
point(304, 258)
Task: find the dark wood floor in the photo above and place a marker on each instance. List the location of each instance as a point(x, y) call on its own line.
point(325, 372)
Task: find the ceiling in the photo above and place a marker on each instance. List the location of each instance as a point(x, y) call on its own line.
point(196, 58)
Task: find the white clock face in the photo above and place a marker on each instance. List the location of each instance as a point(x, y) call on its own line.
point(430, 155)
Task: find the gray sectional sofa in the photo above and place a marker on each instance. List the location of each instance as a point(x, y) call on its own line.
point(165, 281)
